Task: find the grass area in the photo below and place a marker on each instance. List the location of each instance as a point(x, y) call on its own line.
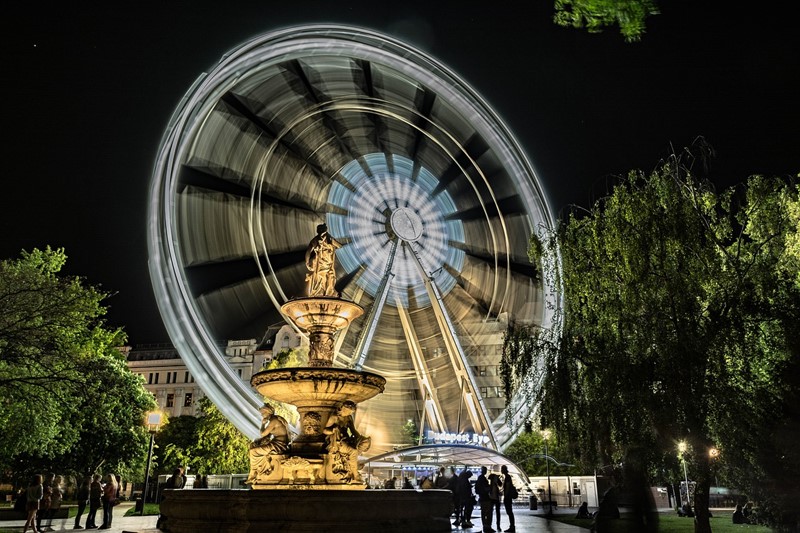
point(671, 523)
point(150, 509)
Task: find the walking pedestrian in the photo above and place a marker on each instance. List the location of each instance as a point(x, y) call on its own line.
point(34, 495)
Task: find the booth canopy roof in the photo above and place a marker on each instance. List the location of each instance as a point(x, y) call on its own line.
point(447, 455)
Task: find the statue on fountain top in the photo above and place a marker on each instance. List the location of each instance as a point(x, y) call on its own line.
point(321, 263)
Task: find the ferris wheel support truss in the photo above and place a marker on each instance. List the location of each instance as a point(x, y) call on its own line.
point(477, 413)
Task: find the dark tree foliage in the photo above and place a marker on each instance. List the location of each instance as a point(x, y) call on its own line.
point(682, 314)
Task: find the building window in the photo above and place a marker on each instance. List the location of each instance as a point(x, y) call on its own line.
point(187, 400)
point(285, 343)
point(483, 392)
point(169, 376)
point(186, 377)
point(150, 379)
point(481, 370)
point(174, 377)
point(155, 381)
point(239, 370)
point(170, 400)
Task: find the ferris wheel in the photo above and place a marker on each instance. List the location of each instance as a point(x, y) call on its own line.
point(426, 190)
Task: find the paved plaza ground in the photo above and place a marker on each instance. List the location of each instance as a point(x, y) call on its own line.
point(527, 522)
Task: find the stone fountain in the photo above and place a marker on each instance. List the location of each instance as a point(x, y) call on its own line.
point(325, 454)
point(312, 482)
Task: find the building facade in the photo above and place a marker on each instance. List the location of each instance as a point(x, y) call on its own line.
point(171, 383)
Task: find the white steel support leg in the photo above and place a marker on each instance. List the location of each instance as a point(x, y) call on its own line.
point(472, 400)
point(432, 406)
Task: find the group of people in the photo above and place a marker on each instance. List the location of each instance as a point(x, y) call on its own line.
point(491, 490)
point(488, 491)
point(44, 495)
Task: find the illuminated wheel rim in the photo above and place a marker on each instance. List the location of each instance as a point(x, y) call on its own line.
point(353, 128)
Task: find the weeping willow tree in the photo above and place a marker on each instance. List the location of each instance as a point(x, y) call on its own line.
point(596, 15)
point(682, 320)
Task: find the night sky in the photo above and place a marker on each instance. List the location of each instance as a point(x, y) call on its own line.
point(88, 92)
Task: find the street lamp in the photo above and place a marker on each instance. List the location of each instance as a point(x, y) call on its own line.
point(546, 436)
point(153, 422)
point(682, 447)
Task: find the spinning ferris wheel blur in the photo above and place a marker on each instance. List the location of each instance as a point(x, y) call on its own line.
point(430, 196)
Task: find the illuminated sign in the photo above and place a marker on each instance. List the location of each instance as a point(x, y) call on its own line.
point(457, 438)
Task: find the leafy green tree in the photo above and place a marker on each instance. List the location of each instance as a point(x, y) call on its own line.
point(681, 322)
point(208, 443)
point(596, 15)
point(70, 404)
point(410, 433)
point(220, 447)
point(173, 443)
point(528, 449)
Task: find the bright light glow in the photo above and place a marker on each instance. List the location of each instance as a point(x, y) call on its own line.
point(682, 446)
point(370, 201)
point(153, 419)
point(546, 434)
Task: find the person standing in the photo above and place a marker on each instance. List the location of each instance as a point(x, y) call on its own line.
point(47, 496)
point(509, 494)
point(452, 485)
point(109, 500)
point(484, 500)
point(82, 499)
point(495, 486)
point(441, 479)
point(34, 495)
point(466, 498)
point(56, 497)
point(95, 501)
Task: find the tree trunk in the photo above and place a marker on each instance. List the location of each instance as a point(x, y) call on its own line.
point(702, 522)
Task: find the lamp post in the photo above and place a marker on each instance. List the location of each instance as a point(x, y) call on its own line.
point(682, 449)
point(153, 422)
point(546, 436)
point(713, 455)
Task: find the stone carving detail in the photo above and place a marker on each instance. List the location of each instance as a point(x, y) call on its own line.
point(295, 464)
point(312, 423)
point(320, 352)
point(319, 374)
point(274, 440)
point(345, 443)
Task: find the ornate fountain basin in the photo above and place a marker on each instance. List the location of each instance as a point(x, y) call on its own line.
point(318, 386)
